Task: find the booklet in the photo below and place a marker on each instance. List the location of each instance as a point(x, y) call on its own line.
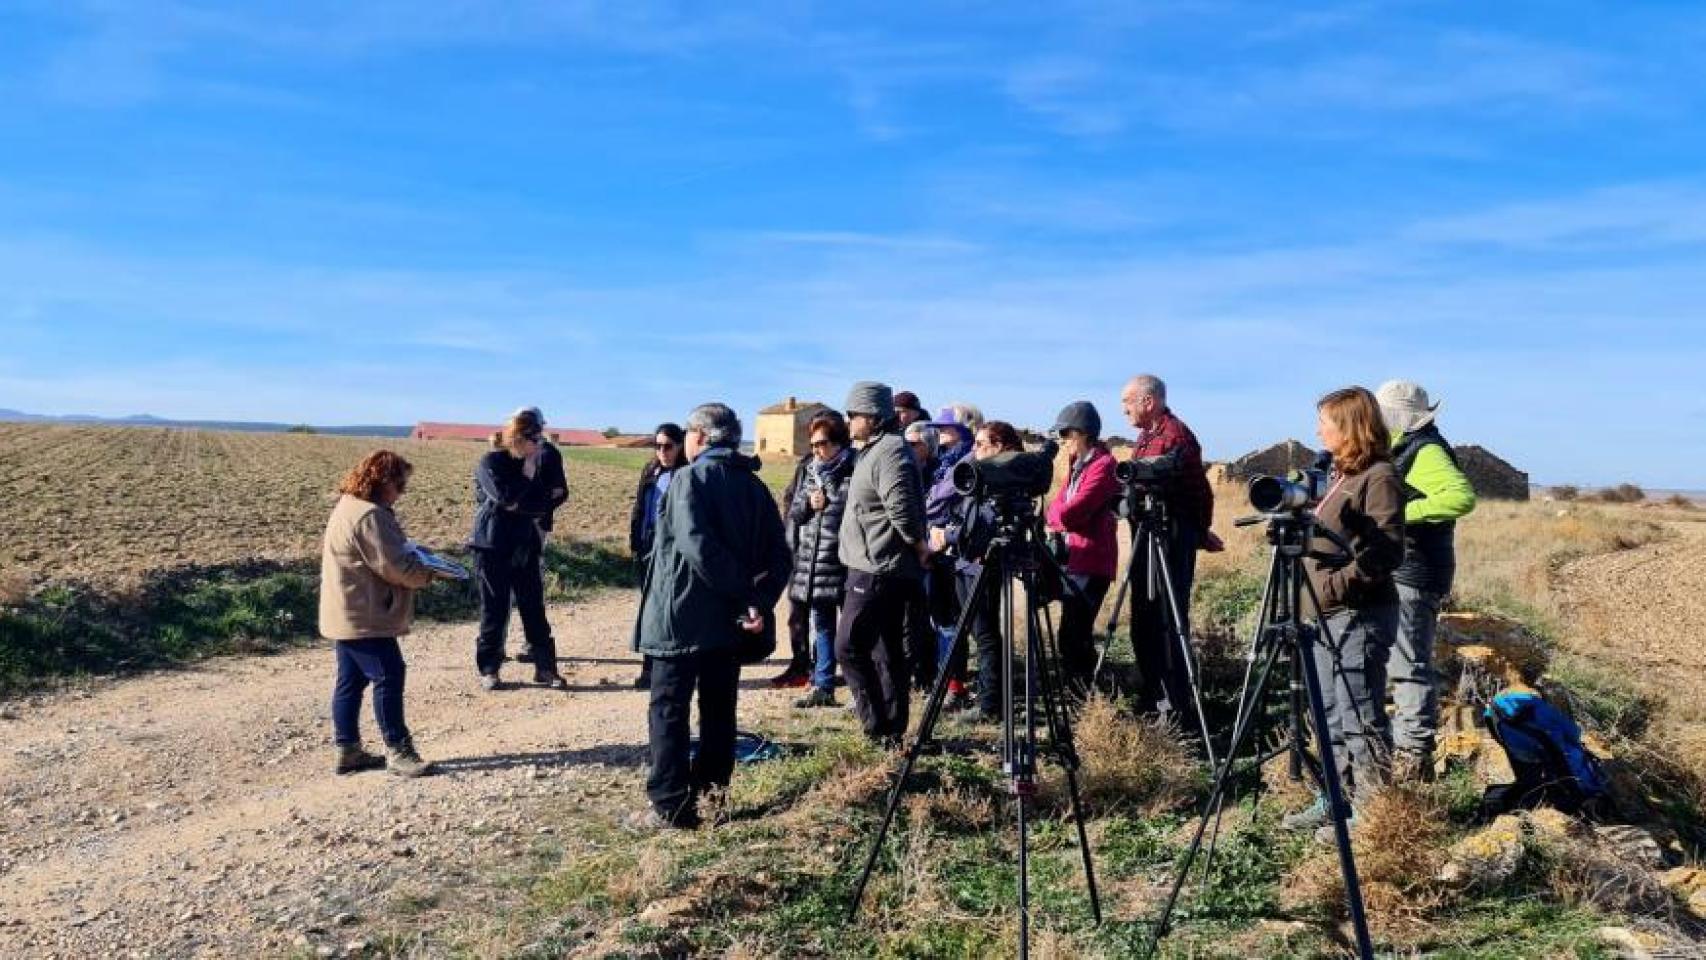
point(446, 568)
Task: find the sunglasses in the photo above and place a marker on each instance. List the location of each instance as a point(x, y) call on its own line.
point(667, 445)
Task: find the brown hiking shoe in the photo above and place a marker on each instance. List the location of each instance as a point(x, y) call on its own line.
point(353, 759)
point(402, 760)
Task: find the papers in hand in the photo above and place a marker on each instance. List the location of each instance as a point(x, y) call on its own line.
point(449, 569)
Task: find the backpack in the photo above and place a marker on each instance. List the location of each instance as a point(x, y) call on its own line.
point(1545, 750)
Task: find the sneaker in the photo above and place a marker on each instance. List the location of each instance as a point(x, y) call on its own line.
point(651, 821)
point(489, 682)
point(1311, 817)
point(643, 682)
point(1324, 833)
point(402, 760)
point(819, 697)
point(353, 759)
point(551, 680)
point(791, 679)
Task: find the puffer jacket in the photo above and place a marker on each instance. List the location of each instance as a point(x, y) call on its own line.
point(818, 572)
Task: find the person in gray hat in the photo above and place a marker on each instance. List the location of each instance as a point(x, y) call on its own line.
point(1442, 494)
point(884, 549)
point(1083, 511)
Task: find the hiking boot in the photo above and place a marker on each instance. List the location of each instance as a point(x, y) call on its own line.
point(1412, 766)
point(651, 821)
point(1312, 817)
point(792, 678)
point(819, 697)
point(402, 760)
point(550, 679)
point(353, 759)
point(489, 682)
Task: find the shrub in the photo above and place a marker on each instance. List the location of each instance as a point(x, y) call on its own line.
point(1565, 492)
point(1622, 493)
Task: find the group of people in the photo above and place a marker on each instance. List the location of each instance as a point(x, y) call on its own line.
point(874, 546)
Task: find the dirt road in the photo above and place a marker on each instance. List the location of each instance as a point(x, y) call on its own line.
point(1643, 612)
point(193, 813)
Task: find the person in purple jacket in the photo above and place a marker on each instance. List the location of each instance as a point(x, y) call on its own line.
point(954, 425)
point(1083, 510)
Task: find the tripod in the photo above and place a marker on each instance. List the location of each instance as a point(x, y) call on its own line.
point(1281, 630)
point(1015, 556)
point(1146, 517)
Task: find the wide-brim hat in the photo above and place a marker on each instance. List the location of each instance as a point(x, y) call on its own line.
point(1405, 406)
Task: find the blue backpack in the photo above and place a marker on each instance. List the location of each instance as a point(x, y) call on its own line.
point(1545, 750)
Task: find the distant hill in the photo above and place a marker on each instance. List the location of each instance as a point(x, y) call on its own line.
point(240, 426)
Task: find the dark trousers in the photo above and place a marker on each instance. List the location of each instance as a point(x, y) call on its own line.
point(1078, 628)
point(986, 637)
point(675, 781)
point(501, 574)
point(800, 636)
point(378, 661)
point(1165, 674)
point(945, 611)
point(922, 645)
point(870, 643)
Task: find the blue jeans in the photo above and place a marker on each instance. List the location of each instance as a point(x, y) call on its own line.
point(378, 661)
point(823, 644)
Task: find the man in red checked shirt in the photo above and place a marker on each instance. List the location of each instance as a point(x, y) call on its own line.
point(1190, 510)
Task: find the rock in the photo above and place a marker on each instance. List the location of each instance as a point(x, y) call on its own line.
point(1633, 844)
point(343, 920)
point(1553, 826)
point(1683, 880)
point(355, 948)
point(1697, 903)
point(1489, 643)
point(325, 951)
point(1486, 859)
point(1623, 940)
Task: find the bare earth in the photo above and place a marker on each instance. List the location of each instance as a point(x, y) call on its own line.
point(1646, 611)
point(194, 813)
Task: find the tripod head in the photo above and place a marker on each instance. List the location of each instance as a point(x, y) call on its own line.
point(1291, 532)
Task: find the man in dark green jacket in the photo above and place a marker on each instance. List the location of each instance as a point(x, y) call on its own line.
point(720, 562)
point(1439, 495)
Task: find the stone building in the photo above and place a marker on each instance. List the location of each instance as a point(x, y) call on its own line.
point(1492, 478)
point(781, 427)
point(1275, 461)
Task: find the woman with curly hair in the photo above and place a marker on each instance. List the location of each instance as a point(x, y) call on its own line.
point(368, 578)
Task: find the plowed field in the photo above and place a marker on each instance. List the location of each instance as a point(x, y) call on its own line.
point(106, 504)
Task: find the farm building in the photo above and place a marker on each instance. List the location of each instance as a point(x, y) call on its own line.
point(1492, 477)
point(1275, 461)
point(782, 427)
point(482, 433)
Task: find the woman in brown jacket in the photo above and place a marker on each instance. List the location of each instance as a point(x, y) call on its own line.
point(1358, 603)
point(368, 579)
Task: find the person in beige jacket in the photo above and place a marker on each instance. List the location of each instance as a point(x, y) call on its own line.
point(368, 579)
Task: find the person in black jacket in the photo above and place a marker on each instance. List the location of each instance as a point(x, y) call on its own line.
point(554, 479)
point(819, 578)
point(719, 565)
point(670, 456)
point(511, 495)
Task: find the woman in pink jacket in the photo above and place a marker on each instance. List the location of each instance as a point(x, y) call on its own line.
point(1083, 510)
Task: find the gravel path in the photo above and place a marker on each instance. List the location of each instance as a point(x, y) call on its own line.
point(193, 813)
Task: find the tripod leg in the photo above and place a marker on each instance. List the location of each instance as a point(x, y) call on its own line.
point(926, 726)
point(1222, 778)
point(1336, 804)
point(1060, 739)
point(1180, 631)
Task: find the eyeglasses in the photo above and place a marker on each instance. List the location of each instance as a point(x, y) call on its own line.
point(819, 444)
point(666, 445)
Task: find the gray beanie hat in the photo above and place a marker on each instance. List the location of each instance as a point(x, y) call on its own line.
point(1079, 415)
point(872, 398)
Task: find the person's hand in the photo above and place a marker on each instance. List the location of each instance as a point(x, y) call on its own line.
point(753, 622)
point(925, 555)
point(817, 500)
point(1211, 542)
point(938, 539)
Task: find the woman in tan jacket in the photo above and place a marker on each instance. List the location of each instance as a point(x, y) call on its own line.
point(368, 579)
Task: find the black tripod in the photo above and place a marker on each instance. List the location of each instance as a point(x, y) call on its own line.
point(1281, 630)
point(1146, 517)
point(1015, 555)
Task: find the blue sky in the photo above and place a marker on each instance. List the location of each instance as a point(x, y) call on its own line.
point(389, 211)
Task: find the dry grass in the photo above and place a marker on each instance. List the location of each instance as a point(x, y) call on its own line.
point(1400, 841)
point(1129, 762)
point(1582, 870)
